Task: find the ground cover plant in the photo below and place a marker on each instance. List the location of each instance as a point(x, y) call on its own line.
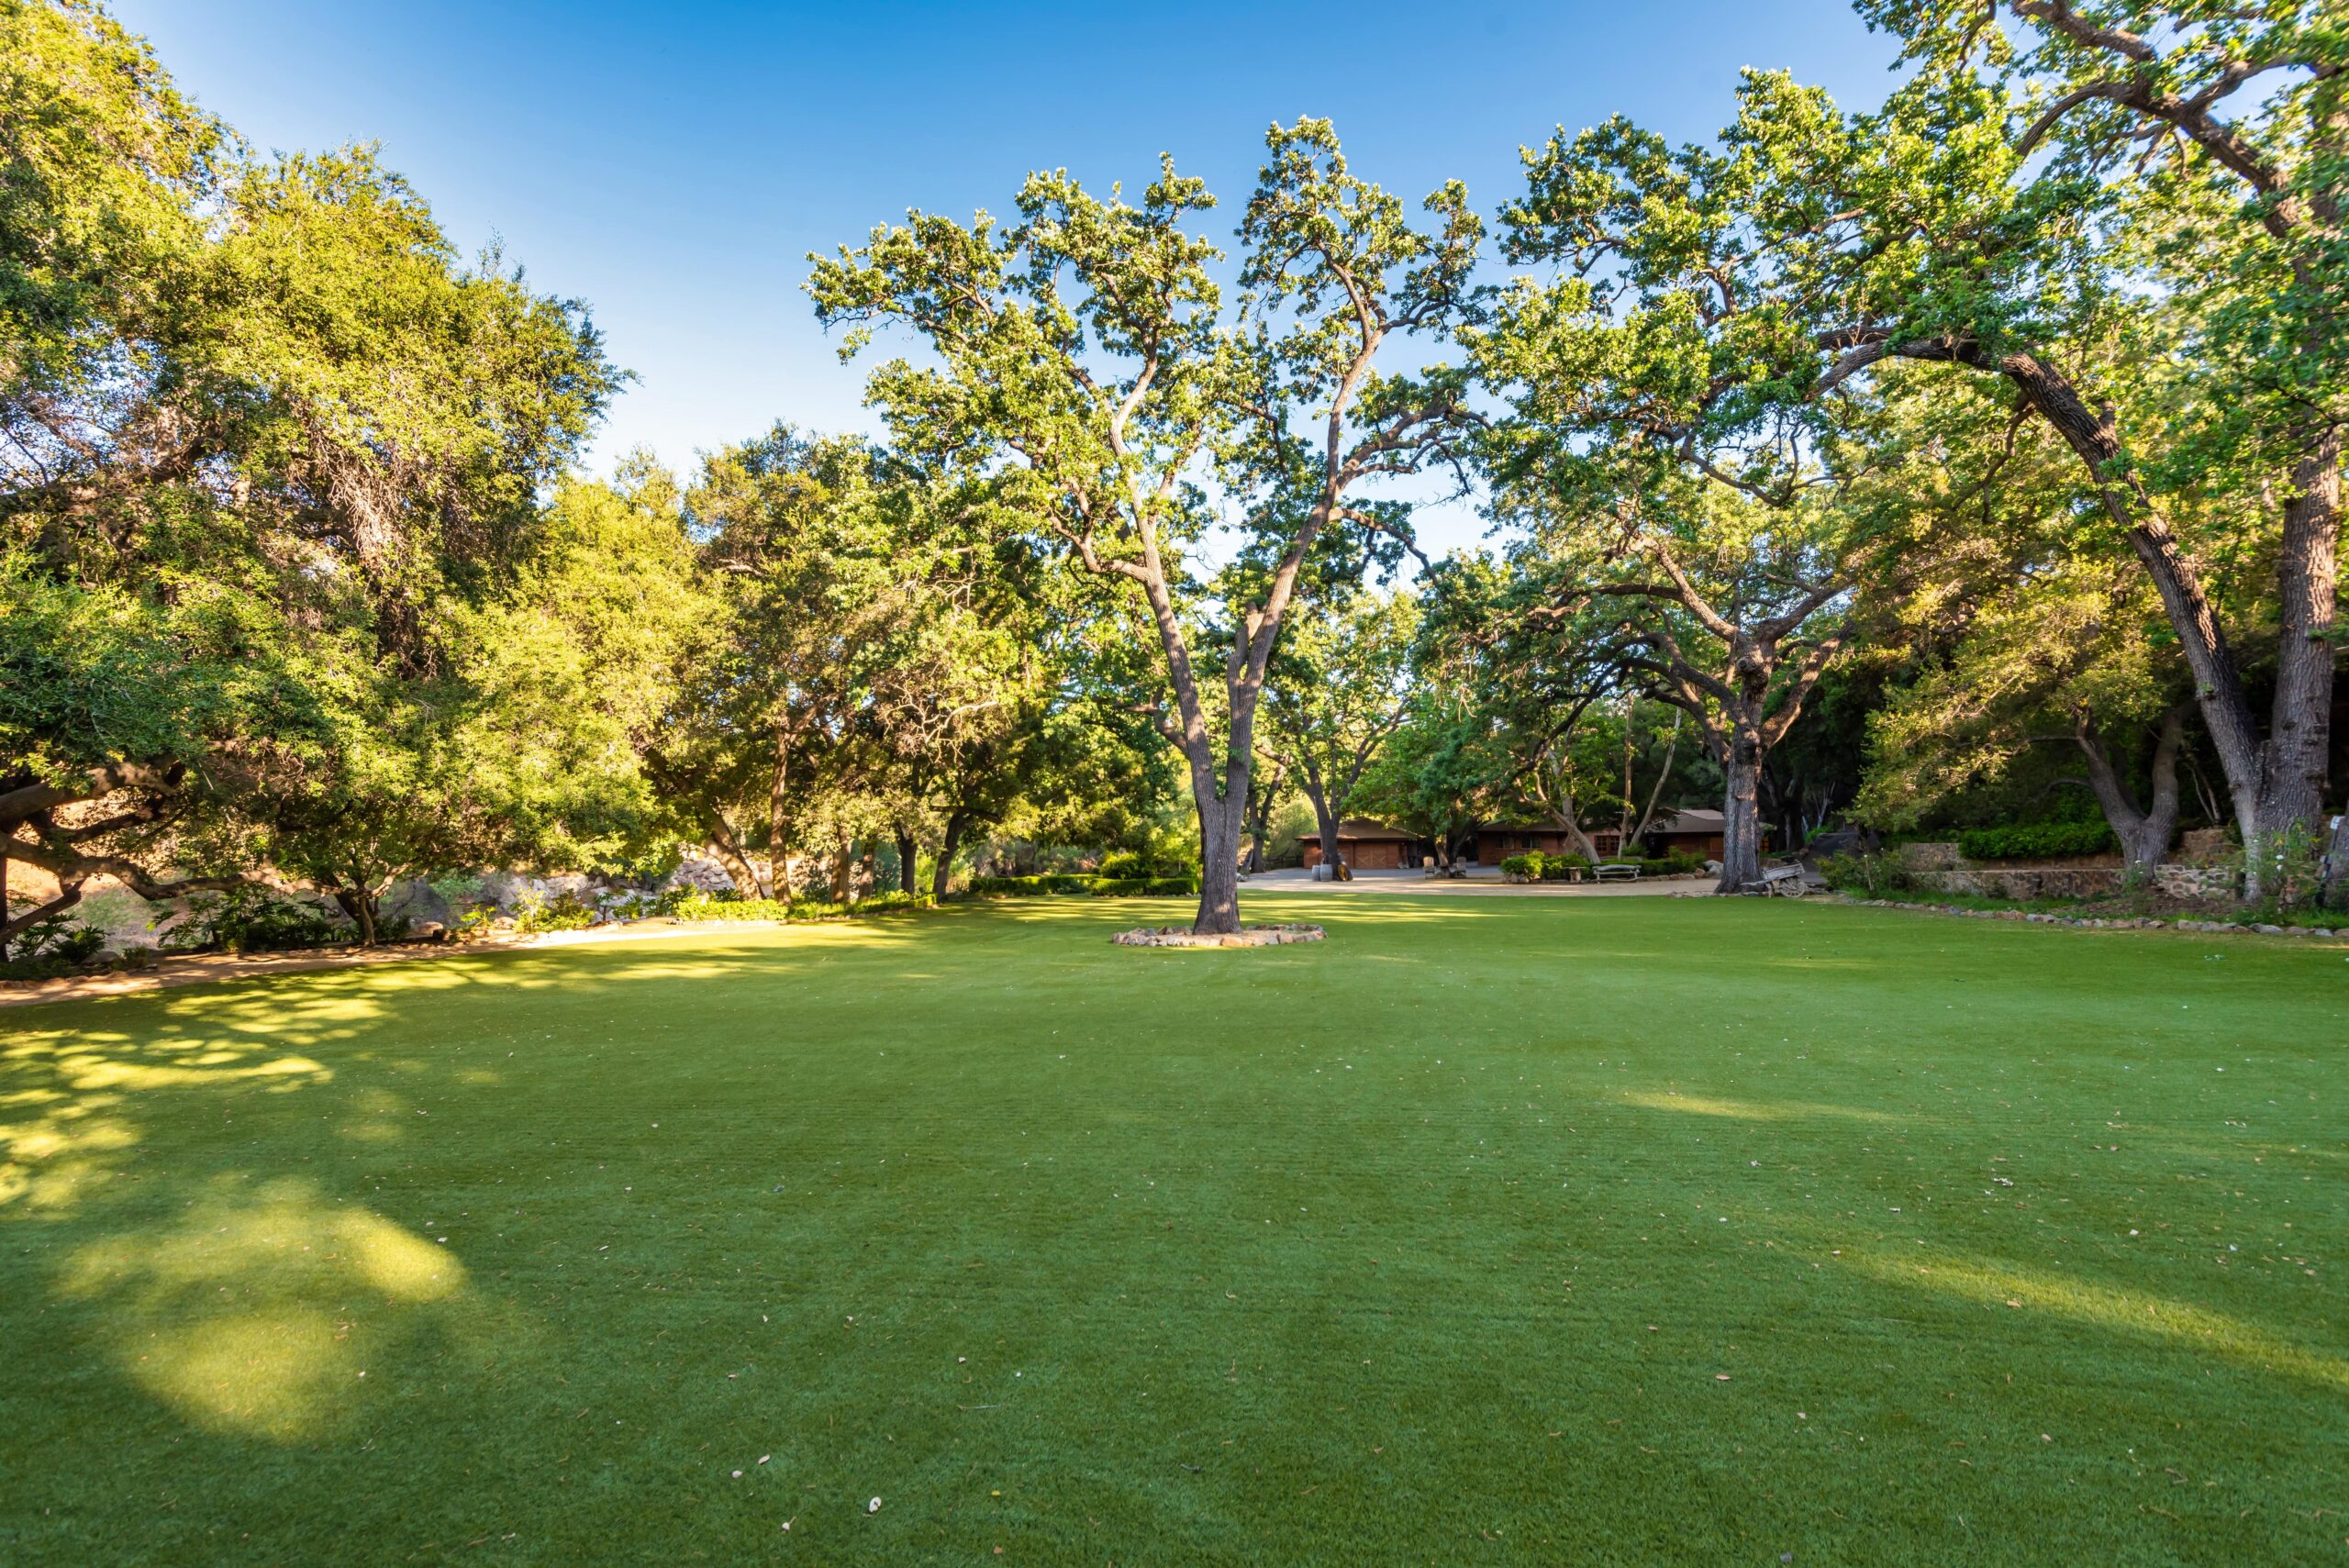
point(1506, 1235)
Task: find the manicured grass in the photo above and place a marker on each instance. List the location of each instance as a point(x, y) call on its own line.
point(1490, 1231)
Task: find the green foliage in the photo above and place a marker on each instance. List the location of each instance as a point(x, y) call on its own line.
point(2037, 841)
point(696, 905)
point(1104, 887)
point(58, 940)
point(254, 919)
point(1865, 875)
point(1144, 887)
point(564, 912)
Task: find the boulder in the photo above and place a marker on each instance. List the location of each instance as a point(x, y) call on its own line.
point(699, 873)
point(414, 900)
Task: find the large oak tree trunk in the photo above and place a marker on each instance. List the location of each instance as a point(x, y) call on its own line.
point(1742, 811)
point(1220, 821)
point(2275, 786)
point(956, 821)
point(2293, 760)
point(2145, 831)
point(1325, 822)
point(907, 852)
point(778, 879)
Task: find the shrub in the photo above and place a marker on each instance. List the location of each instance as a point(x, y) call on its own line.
point(692, 904)
point(702, 907)
point(1526, 864)
point(1144, 887)
point(1052, 881)
point(563, 912)
point(1562, 868)
point(2036, 841)
point(49, 948)
point(1872, 877)
point(806, 909)
point(253, 919)
point(1123, 866)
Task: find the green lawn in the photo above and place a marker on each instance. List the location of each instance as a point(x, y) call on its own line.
point(1492, 1230)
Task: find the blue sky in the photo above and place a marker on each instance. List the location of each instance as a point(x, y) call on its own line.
point(673, 165)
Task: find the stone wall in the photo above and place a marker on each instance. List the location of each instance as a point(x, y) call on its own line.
point(2197, 872)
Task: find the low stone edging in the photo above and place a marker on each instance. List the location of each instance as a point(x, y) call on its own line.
point(2142, 923)
point(1246, 937)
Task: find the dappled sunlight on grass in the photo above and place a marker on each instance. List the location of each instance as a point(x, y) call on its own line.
point(1749, 1111)
point(1537, 1223)
point(2131, 1314)
point(262, 1316)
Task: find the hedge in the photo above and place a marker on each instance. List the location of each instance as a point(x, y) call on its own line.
point(702, 907)
point(1098, 887)
point(2037, 842)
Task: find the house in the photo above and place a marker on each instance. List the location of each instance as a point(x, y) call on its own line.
point(1371, 846)
point(1696, 832)
point(1497, 841)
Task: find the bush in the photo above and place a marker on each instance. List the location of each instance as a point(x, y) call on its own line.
point(702, 907)
point(1562, 868)
point(1870, 876)
point(1052, 881)
point(806, 909)
point(563, 912)
point(1526, 864)
point(49, 948)
point(2036, 841)
point(1144, 887)
point(692, 904)
point(1123, 866)
point(253, 919)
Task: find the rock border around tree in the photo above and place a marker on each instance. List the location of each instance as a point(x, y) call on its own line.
point(1246, 937)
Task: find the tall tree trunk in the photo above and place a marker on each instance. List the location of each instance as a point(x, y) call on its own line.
point(778, 879)
point(4, 900)
point(1571, 815)
point(844, 871)
point(1219, 863)
point(956, 821)
point(357, 904)
point(1742, 808)
point(2145, 831)
point(1325, 821)
point(1671, 749)
point(728, 849)
point(2270, 782)
point(907, 851)
point(2293, 760)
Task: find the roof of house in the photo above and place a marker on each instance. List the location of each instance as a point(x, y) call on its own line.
point(1360, 828)
point(1701, 819)
point(1529, 825)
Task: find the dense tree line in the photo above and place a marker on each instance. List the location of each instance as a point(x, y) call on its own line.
point(1895, 466)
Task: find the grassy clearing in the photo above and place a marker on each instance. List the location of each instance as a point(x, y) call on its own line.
point(1534, 1231)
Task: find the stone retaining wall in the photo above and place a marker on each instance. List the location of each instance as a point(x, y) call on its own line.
point(1939, 868)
